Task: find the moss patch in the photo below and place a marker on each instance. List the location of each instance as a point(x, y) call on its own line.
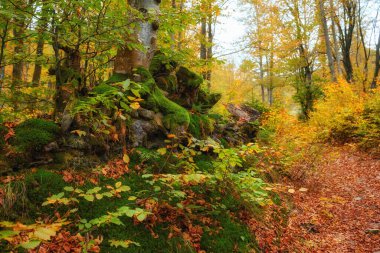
point(32, 135)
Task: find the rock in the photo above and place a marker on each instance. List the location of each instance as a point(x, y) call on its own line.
point(146, 114)
point(77, 142)
point(143, 132)
point(52, 146)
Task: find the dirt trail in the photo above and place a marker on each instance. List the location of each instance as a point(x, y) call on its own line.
point(341, 211)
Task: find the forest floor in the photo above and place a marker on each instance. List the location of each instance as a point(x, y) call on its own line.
point(340, 212)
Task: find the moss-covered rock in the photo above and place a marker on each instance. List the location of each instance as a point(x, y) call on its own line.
point(176, 118)
point(201, 125)
point(33, 134)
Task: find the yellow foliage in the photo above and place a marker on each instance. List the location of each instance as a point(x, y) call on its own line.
point(338, 115)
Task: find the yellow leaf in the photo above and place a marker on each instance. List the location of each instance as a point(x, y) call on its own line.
point(126, 158)
point(302, 189)
point(291, 191)
point(162, 151)
point(118, 184)
point(132, 198)
point(44, 233)
point(135, 105)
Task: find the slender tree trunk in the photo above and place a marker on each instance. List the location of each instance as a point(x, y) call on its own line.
point(203, 39)
point(335, 39)
point(2, 49)
point(209, 48)
point(377, 65)
point(346, 34)
point(42, 27)
point(327, 40)
point(128, 59)
point(180, 33)
point(172, 35)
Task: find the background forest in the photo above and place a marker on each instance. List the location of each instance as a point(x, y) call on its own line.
point(128, 126)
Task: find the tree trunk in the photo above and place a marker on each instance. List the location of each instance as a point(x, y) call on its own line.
point(346, 34)
point(327, 40)
point(180, 33)
point(209, 48)
point(128, 59)
point(172, 35)
point(335, 39)
point(377, 65)
point(42, 27)
point(203, 48)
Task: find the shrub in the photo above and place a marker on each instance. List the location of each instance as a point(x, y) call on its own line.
point(337, 117)
point(370, 127)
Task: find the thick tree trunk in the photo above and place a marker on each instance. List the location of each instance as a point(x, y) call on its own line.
point(145, 33)
point(327, 40)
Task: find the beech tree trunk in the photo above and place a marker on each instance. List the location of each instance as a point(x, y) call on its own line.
point(128, 59)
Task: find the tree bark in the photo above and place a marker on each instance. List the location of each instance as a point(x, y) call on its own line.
point(128, 59)
point(203, 49)
point(209, 48)
point(42, 27)
point(346, 34)
point(377, 65)
point(335, 39)
point(330, 59)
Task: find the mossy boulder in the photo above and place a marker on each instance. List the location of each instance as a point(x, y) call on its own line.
point(33, 134)
point(201, 125)
point(176, 118)
point(180, 84)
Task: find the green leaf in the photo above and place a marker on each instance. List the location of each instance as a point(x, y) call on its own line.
point(44, 233)
point(89, 197)
point(125, 188)
point(8, 233)
point(69, 188)
point(126, 84)
point(30, 244)
point(123, 244)
point(142, 216)
point(116, 221)
point(135, 92)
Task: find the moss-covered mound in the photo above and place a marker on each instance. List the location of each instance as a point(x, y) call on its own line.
point(33, 134)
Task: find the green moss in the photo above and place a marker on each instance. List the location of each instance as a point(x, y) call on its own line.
point(201, 125)
point(162, 64)
point(34, 134)
point(175, 116)
point(45, 125)
point(189, 78)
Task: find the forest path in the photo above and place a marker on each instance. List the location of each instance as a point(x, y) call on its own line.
point(340, 212)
